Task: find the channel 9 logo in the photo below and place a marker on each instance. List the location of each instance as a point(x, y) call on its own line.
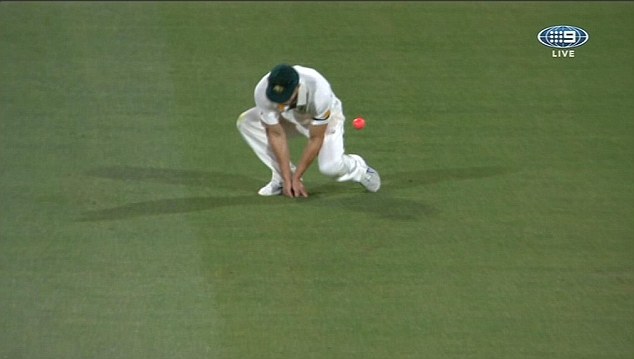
point(564, 38)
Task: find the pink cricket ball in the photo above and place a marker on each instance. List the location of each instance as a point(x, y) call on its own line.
point(358, 123)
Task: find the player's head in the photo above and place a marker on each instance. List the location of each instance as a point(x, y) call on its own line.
point(283, 80)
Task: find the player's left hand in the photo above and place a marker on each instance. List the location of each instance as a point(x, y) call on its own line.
point(298, 188)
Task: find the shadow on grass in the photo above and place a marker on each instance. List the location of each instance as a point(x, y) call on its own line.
point(382, 204)
point(427, 177)
point(166, 206)
point(175, 177)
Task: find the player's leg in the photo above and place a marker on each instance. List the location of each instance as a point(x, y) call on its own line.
point(254, 133)
point(334, 162)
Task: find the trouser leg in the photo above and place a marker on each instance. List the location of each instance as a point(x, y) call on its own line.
point(254, 133)
point(333, 161)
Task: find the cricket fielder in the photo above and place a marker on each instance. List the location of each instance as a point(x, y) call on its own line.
point(297, 100)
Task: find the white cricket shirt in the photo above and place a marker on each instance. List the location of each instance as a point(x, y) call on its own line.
point(315, 102)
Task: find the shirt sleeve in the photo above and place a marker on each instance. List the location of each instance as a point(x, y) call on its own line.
point(323, 104)
point(269, 117)
point(266, 109)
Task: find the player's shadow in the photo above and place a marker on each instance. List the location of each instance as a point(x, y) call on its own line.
point(383, 204)
point(176, 177)
point(167, 206)
point(426, 177)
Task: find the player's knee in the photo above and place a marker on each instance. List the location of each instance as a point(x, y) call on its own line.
point(241, 120)
point(331, 168)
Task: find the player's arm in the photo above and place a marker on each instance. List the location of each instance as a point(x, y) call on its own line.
point(277, 139)
point(317, 132)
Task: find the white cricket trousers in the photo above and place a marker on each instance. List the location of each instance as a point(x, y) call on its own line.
point(332, 160)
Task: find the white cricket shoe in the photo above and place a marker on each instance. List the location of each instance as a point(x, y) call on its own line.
point(273, 188)
point(371, 180)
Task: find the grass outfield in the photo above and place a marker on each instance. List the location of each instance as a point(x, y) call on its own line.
point(130, 225)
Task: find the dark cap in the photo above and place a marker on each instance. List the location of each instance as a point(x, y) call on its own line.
point(283, 80)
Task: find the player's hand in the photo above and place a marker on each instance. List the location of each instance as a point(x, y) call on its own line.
point(298, 188)
point(288, 191)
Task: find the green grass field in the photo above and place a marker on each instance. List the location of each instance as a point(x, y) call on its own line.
point(130, 226)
